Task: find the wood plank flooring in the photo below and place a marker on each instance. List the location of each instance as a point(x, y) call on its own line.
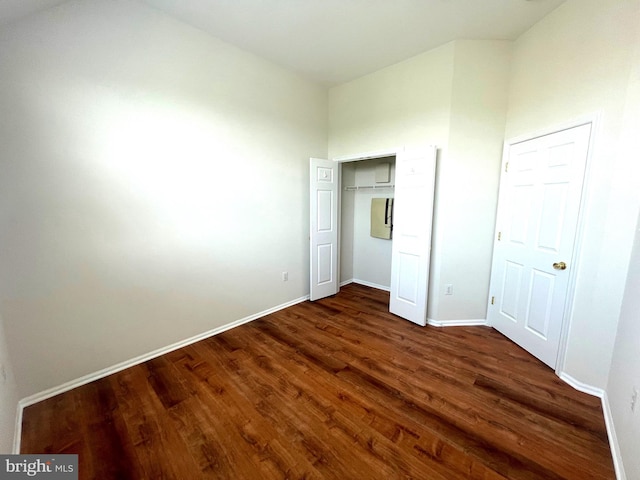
point(337, 389)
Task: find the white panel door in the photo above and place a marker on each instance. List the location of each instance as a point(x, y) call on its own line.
point(411, 249)
point(540, 194)
point(324, 184)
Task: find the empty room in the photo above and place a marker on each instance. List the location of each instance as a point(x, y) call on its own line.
point(320, 239)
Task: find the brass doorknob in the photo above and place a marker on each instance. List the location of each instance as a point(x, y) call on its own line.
point(560, 266)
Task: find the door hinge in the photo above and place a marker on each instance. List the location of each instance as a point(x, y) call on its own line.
point(499, 235)
point(493, 299)
point(506, 167)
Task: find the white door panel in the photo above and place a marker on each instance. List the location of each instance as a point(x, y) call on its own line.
point(411, 249)
point(540, 194)
point(324, 182)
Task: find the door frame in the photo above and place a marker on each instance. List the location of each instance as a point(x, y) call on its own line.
point(567, 317)
point(348, 159)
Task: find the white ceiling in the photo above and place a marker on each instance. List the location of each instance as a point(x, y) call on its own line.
point(333, 41)
point(11, 10)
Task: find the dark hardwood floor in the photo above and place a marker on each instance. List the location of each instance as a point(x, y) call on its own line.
point(337, 388)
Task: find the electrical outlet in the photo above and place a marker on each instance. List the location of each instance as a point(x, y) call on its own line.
point(285, 276)
point(448, 289)
point(634, 399)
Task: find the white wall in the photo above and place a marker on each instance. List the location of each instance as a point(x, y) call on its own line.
point(468, 179)
point(573, 63)
point(407, 104)
point(154, 186)
point(625, 370)
point(8, 396)
point(453, 97)
point(624, 375)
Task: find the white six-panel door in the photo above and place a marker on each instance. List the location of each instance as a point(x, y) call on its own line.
point(323, 199)
point(411, 249)
point(539, 202)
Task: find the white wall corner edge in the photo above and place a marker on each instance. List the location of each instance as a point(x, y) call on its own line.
point(78, 382)
point(17, 431)
point(480, 322)
point(608, 420)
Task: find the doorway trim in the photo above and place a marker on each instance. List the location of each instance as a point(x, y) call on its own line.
point(368, 155)
point(348, 159)
point(594, 120)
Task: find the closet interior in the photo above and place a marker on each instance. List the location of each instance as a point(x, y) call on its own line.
point(365, 255)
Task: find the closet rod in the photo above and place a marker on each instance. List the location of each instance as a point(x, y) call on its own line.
point(358, 187)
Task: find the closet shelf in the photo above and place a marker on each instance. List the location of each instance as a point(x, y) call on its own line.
point(362, 187)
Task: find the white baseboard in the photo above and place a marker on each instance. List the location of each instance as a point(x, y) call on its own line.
point(581, 387)
point(616, 455)
point(78, 382)
point(480, 322)
point(370, 284)
point(430, 321)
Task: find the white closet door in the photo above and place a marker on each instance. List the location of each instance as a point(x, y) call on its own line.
point(413, 219)
point(324, 182)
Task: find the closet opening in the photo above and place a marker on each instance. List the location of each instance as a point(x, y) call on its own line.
point(366, 221)
point(342, 248)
